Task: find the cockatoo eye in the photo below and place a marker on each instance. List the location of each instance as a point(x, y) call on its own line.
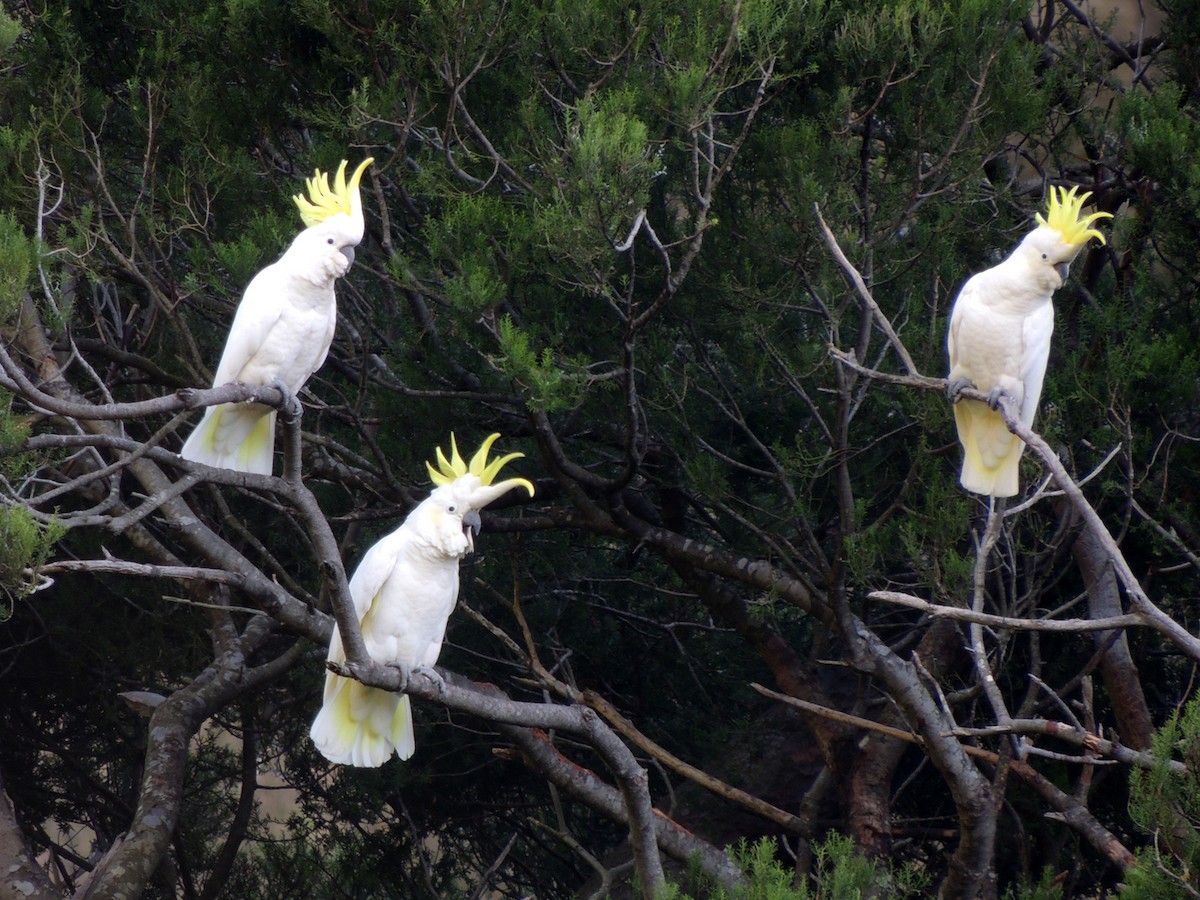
point(451, 509)
point(330, 241)
point(1043, 256)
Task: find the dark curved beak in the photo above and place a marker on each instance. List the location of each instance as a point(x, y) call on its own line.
point(1061, 268)
point(471, 525)
point(348, 252)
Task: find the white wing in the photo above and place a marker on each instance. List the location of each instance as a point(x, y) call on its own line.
point(261, 307)
point(1035, 355)
point(375, 569)
point(968, 297)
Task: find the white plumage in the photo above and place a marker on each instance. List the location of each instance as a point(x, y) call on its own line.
point(999, 342)
point(404, 590)
point(282, 329)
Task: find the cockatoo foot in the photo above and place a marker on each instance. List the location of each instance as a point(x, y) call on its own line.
point(955, 387)
point(995, 395)
point(432, 674)
point(291, 405)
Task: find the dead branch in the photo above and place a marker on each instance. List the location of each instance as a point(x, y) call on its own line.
point(864, 292)
point(1013, 623)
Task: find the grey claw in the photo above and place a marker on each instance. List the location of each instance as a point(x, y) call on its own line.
point(432, 674)
point(955, 387)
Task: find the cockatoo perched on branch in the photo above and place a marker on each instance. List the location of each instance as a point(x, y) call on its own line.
point(283, 326)
point(999, 340)
point(404, 591)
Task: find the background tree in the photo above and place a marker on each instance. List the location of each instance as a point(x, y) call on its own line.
point(696, 262)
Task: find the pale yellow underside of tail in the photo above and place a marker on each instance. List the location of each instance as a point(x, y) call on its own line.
point(362, 726)
point(991, 453)
point(236, 436)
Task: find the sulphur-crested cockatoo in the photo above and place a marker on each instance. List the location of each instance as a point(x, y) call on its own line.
point(404, 591)
point(284, 325)
point(999, 340)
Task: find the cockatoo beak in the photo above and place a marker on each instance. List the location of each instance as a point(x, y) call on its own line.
point(1061, 268)
point(348, 252)
point(471, 525)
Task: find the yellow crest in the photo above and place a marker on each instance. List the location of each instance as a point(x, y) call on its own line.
point(448, 470)
point(323, 201)
point(1064, 216)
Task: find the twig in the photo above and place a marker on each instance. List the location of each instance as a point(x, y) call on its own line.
point(864, 292)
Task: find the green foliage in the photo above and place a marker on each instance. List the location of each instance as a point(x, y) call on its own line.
point(550, 383)
point(476, 240)
point(1166, 804)
point(516, 146)
point(840, 872)
point(240, 258)
point(1048, 887)
point(17, 261)
point(602, 177)
point(25, 544)
point(10, 32)
point(15, 462)
point(1163, 138)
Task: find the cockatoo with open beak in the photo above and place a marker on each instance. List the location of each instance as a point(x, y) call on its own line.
point(404, 591)
point(999, 340)
point(284, 325)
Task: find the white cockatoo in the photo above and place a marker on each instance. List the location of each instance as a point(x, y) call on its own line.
point(404, 590)
point(999, 340)
point(284, 325)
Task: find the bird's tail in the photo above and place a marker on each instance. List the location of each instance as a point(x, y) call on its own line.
point(992, 453)
point(238, 436)
point(362, 726)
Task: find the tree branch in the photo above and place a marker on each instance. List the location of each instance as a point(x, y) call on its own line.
point(492, 706)
point(864, 292)
point(961, 614)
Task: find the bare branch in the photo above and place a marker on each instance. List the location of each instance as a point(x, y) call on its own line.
point(493, 706)
point(21, 875)
point(864, 292)
point(962, 614)
point(1143, 606)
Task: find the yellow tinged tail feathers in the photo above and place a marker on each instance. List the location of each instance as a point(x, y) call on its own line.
point(992, 453)
point(362, 726)
point(237, 436)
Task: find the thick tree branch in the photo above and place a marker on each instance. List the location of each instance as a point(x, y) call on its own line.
point(133, 858)
point(1074, 813)
point(675, 840)
point(493, 706)
point(1142, 605)
point(20, 873)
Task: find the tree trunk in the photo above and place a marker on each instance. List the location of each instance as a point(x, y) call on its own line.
point(1117, 667)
